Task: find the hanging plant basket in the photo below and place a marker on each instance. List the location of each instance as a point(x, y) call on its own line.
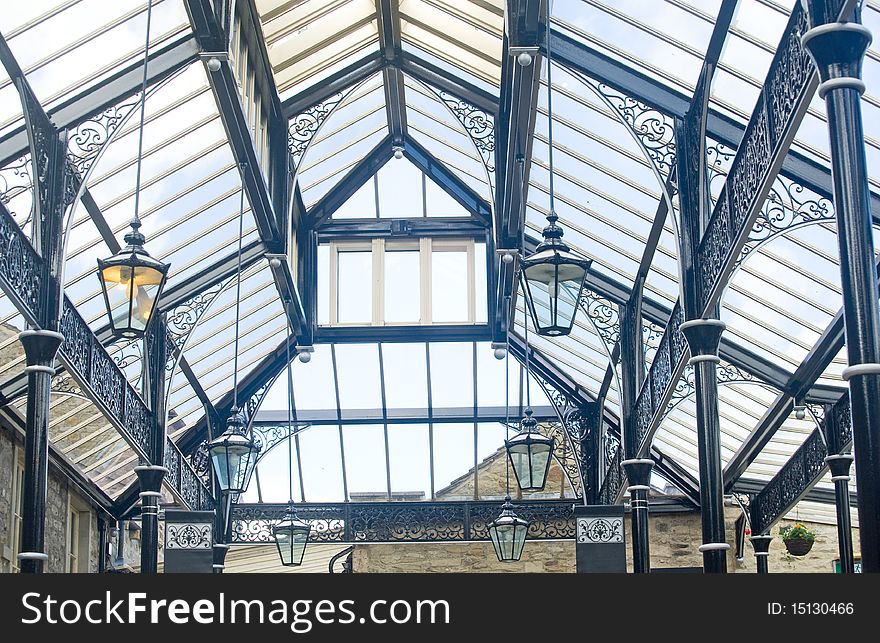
point(798, 546)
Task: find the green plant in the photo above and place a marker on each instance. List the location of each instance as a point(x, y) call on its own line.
point(796, 531)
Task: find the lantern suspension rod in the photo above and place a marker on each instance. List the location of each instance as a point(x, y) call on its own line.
point(550, 116)
point(507, 398)
point(289, 418)
point(136, 221)
point(242, 166)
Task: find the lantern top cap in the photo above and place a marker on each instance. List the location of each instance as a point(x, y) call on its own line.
point(508, 516)
point(292, 521)
point(528, 423)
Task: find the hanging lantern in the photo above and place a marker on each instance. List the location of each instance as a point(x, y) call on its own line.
point(554, 278)
point(233, 455)
point(291, 536)
point(508, 533)
point(132, 282)
point(529, 453)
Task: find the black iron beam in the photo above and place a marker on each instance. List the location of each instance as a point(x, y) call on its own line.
point(448, 180)
point(391, 334)
point(449, 415)
point(514, 135)
point(443, 80)
point(582, 58)
point(390, 47)
point(336, 229)
point(350, 183)
point(163, 63)
point(336, 83)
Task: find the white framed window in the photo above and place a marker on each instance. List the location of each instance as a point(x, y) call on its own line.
point(17, 507)
point(78, 536)
point(387, 282)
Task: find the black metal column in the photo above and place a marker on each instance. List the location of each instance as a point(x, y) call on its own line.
point(762, 551)
point(150, 479)
point(40, 347)
point(638, 473)
point(703, 337)
point(838, 49)
point(840, 465)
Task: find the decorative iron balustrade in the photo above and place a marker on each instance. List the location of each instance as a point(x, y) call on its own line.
point(803, 470)
point(184, 480)
point(16, 191)
point(612, 485)
point(20, 273)
point(401, 521)
point(779, 109)
point(104, 382)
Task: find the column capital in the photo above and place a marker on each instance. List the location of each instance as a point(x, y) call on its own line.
point(638, 472)
point(150, 478)
point(761, 544)
point(703, 337)
point(40, 346)
point(838, 49)
point(839, 465)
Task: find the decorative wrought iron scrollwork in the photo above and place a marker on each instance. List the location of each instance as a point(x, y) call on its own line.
point(802, 471)
point(185, 480)
point(16, 191)
point(604, 316)
point(66, 385)
point(479, 124)
point(85, 141)
point(267, 436)
point(567, 452)
point(19, 265)
point(654, 129)
point(305, 125)
point(181, 319)
point(128, 357)
point(614, 474)
point(402, 521)
point(94, 368)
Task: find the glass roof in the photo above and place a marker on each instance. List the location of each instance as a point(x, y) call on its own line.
point(415, 417)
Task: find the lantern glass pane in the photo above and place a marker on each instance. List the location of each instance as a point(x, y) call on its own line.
point(131, 295)
point(540, 460)
point(233, 464)
point(291, 542)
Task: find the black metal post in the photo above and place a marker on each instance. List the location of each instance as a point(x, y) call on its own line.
point(838, 49)
point(150, 478)
point(840, 465)
point(762, 551)
point(703, 337)
point(638, 473)
point(638, 470)
point(40, 347)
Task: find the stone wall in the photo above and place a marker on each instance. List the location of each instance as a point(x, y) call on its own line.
point(60, 494)
point(675, 538)
point(491, 482)
point(549, 556)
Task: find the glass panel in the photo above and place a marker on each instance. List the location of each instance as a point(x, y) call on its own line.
point(452, 376)
point(410, 459)
point(449, 286)
point(400, 190)
point(354, 287)
point(365, 462)
point(402, 286)
point(440, 204)
point(357, 367)
point(360, 205)
point(322, 464)
point(406, 378)
point(313, 382)
point(453, 459)
point(323, 284)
